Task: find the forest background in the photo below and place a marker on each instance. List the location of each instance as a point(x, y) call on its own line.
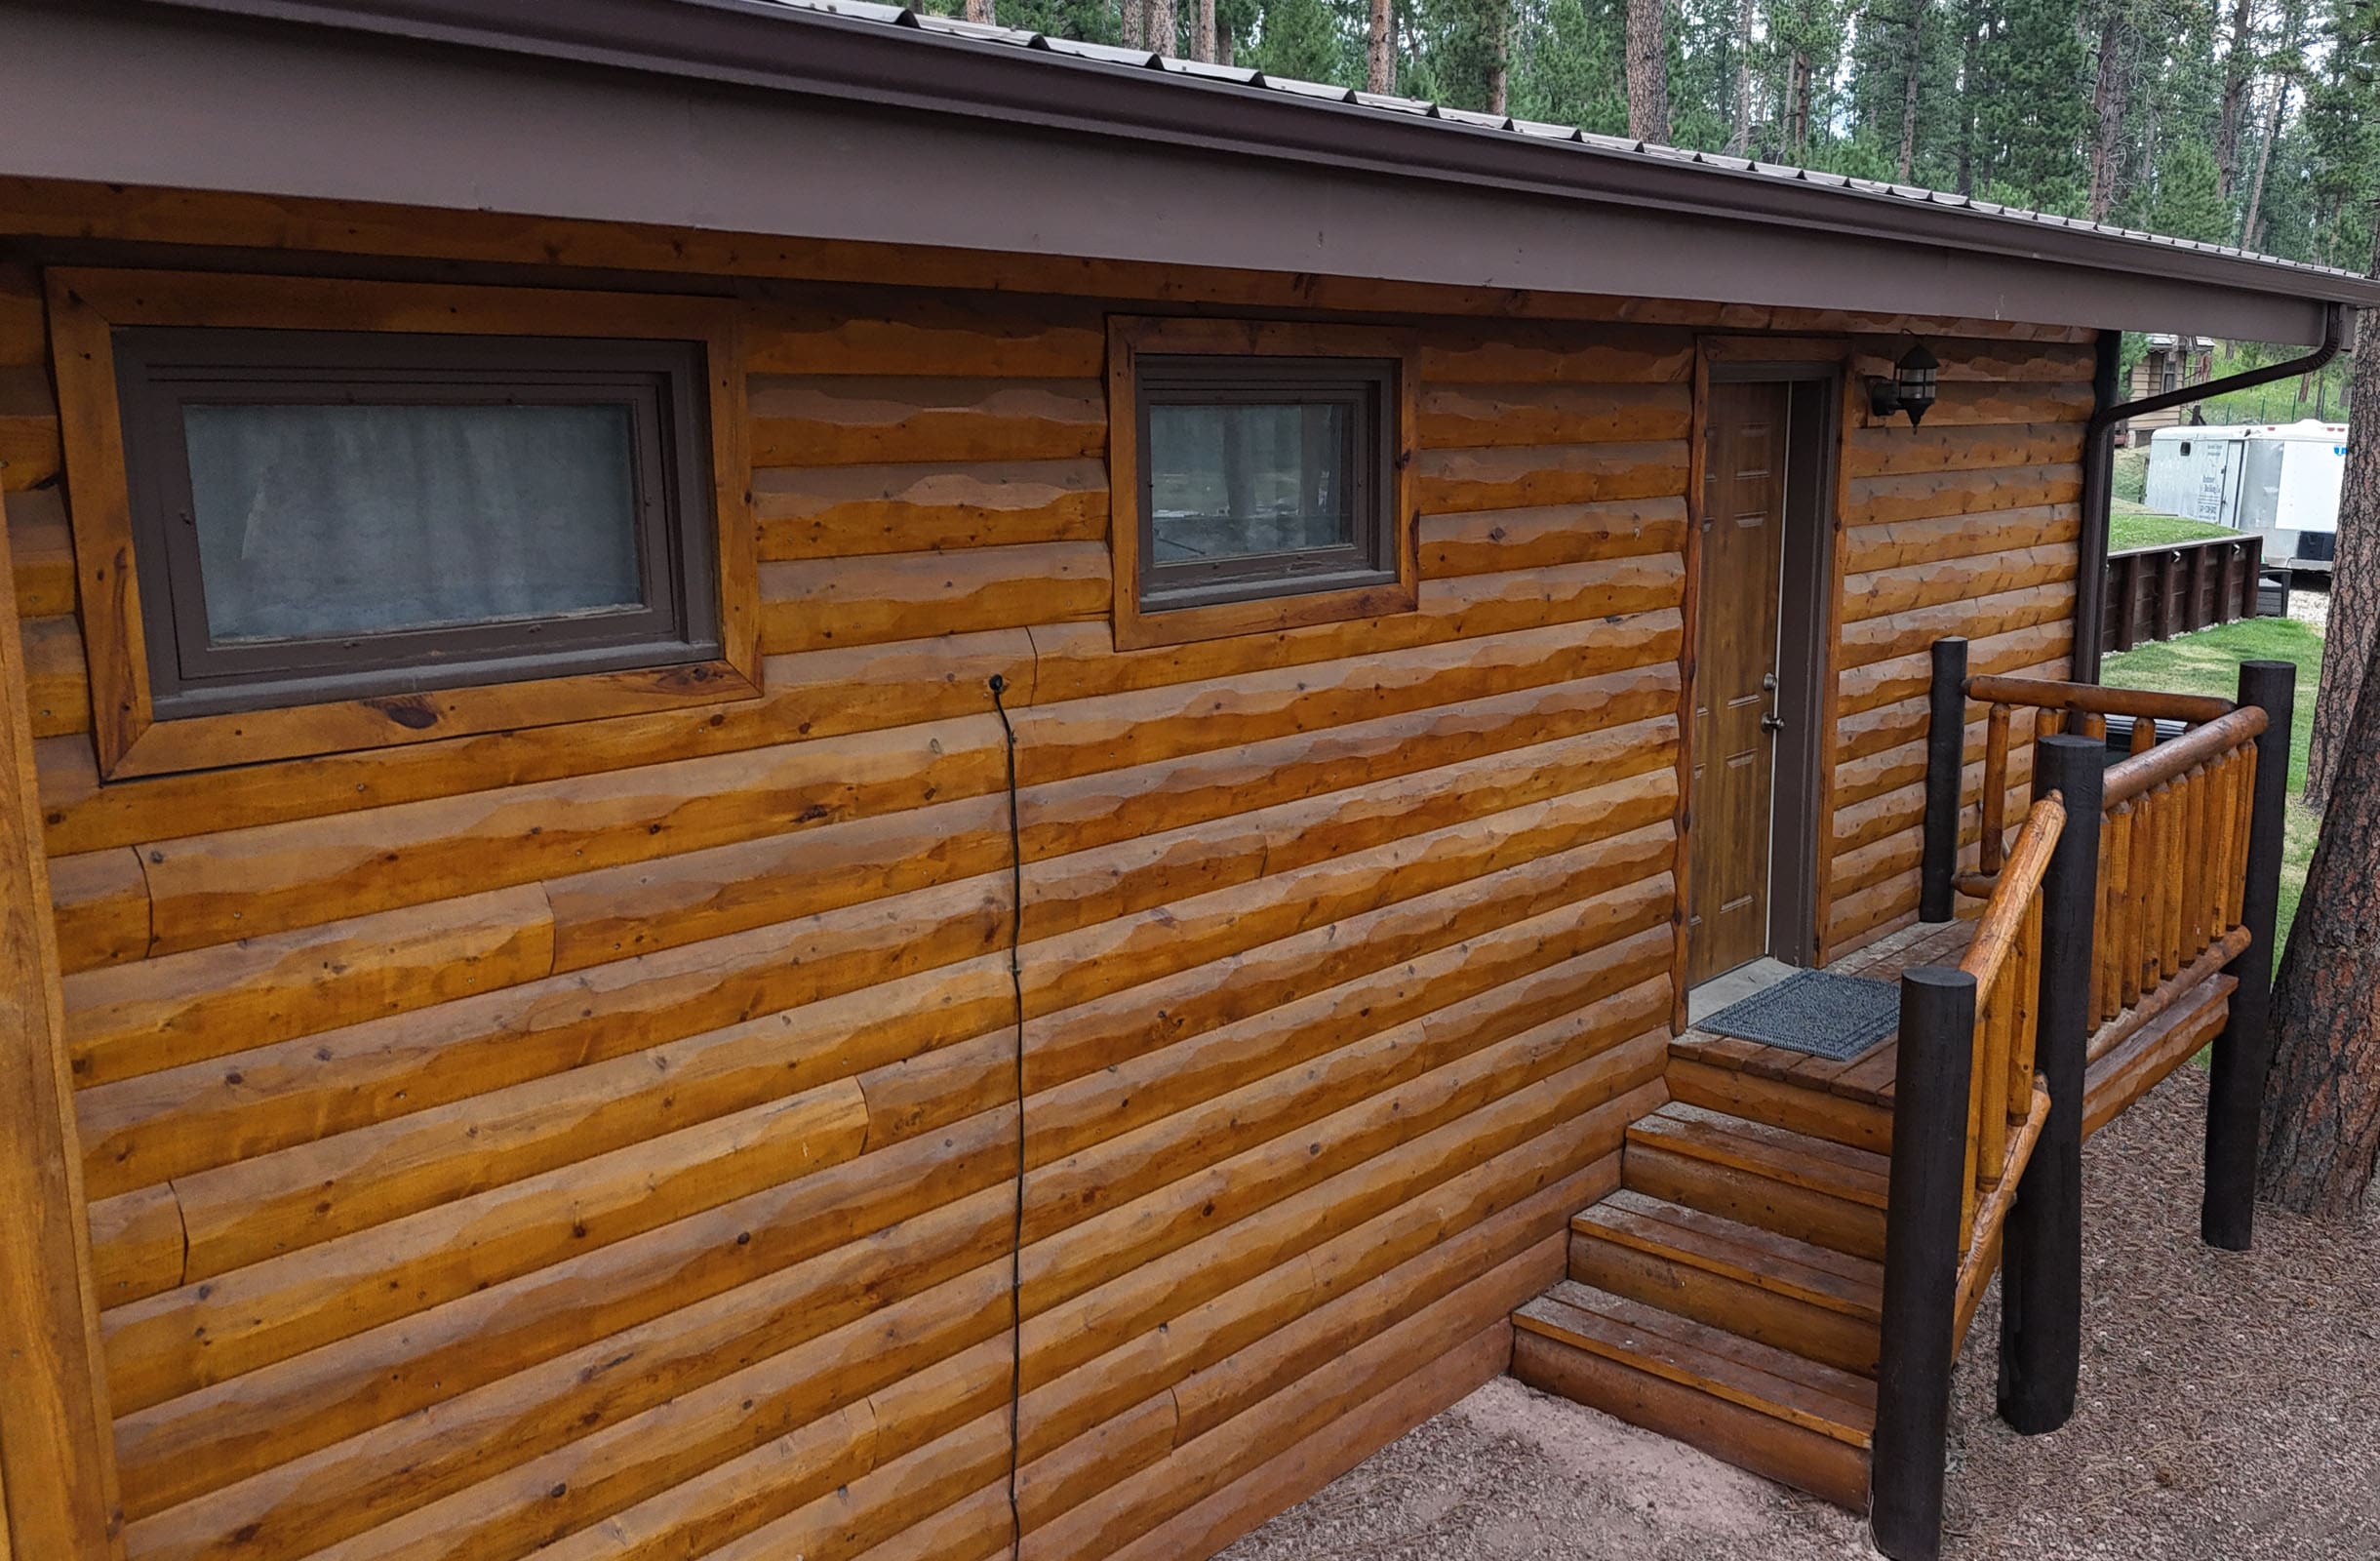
point(2248, 122)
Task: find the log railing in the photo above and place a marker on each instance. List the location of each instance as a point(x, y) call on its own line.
point(2126, 887)
point(2173, 851)
point(1968, 1109)
point(2005, 962)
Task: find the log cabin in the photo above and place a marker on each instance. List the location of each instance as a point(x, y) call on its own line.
point(791, 781)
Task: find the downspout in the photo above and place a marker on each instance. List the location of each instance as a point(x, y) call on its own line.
point(2099, 469)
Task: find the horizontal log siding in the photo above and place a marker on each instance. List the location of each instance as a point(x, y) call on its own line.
point(1968, 525)
point(603, 1138)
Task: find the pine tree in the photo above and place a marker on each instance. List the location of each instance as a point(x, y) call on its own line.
point(1302, 39)
point(2033, 119)
point(1570, 67)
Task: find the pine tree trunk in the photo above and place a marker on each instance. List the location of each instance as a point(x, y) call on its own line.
point(2354, 581)
point(1202, 33)
point(2239, 66)
point(2111, 101)
point(1739, 136)
point(1912, 60)
point(980, 10)
point(1162, 36)
point(1380, 47)
point(1135, 24)
point(1970, 88)
point(2272, 129)
point(1647, 72)
point(1499, 55)
point(2321, 1107)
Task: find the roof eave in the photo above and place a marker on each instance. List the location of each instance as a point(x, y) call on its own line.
point(755, 43)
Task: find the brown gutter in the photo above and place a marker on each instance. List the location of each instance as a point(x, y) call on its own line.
point(2099, 471)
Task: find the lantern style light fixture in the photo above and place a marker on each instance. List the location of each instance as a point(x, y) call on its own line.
point(1911, 389)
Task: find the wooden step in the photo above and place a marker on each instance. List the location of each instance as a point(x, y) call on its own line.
point(1749, 1404)
point(1760, 1174)
point(1707, 1077)
point(1776, 1288)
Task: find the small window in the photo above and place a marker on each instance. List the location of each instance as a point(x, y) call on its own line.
point(1263, 477)
point(317, 515)
point(1267, 485)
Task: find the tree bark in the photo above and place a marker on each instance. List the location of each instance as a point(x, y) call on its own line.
point(1739, 134)
point(2239, 68)
point(1163, 38)
point(1202, 33)
point(1135, 24)
point(1499, 55)
point(1648, 71)
point(2354, 581)
point(1380, 47)
point(980, 10)
point(2272, 126)
point(1970, 88)
point(2111, 103)
point(1798, 93)
point(1912, 59)
point(2322, 1104)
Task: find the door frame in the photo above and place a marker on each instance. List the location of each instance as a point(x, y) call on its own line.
point(1810, 609)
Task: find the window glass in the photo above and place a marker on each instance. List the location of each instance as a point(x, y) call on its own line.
point(316, 521)
point(1243, 481)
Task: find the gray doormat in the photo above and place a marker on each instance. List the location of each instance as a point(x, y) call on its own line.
point(1819, 1012)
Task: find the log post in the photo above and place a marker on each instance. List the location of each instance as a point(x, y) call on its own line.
point(1945, 763)
point(1921, 1256)
point(2040, 1284)
point(2243, 1050)
point(56, 1457)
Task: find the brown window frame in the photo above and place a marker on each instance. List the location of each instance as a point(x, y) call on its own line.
point(1156, 362)
point(163, 370)
point(696, 641)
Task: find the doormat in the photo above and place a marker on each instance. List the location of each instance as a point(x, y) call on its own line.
point(1819, 1012)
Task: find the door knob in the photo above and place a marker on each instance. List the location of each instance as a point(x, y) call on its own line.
point(1772, 722)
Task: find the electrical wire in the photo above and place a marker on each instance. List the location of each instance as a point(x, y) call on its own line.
point(1017, 1239)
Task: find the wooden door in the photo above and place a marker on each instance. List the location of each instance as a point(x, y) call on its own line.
point(1735, 677)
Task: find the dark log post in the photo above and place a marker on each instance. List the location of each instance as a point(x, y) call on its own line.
point(2041, 1277)
point(2243, 1052)
point(1920, 1301)
point(1945, 764)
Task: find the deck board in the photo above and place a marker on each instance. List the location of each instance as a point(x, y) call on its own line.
point(1867, 1079)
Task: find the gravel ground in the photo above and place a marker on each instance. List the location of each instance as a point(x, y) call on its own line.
point(2230, 1411)
point(2310, 604)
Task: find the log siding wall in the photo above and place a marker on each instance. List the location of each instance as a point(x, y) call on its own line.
point(603, 1138)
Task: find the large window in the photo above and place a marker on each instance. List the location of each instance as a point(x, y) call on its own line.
point(357, 513)
point(1265, 483)
point(345, 514)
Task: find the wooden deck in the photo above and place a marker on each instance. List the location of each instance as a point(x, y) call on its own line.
point(1728, 1294)
point(1845, 1101)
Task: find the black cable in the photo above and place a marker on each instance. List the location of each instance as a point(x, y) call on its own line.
point(1016, 1238)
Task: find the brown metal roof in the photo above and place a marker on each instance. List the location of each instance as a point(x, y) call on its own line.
point(840, 118)
point(1565, 135)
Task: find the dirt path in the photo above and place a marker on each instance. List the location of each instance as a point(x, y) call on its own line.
point(2231, 1412)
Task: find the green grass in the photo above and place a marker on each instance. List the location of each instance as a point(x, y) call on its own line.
point(2132, 526)
point(2209, 663)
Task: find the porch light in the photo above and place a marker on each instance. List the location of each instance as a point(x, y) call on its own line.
point(1911, 389)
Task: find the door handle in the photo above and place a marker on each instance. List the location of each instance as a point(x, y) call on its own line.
point(1770, 721)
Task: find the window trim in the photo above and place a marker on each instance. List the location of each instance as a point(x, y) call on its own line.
point(134, 736)
point(1259, 600)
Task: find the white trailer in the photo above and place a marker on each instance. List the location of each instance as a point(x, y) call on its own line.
point(2279, 481)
